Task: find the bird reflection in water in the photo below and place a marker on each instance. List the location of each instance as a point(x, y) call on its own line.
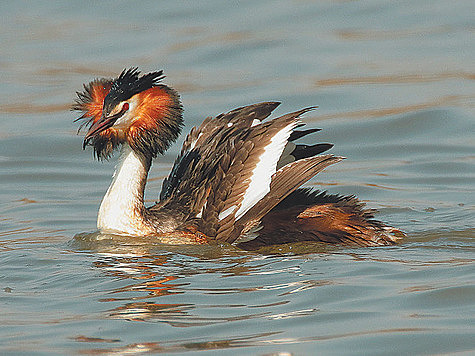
point(147, 283)
point(154, 271)
point(156, 285)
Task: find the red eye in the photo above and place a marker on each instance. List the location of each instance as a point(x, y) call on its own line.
point(125, 107)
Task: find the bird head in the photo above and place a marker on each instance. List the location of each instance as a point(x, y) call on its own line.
point(131, 109)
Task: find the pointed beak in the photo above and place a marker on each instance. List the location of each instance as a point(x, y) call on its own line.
point(100, 125)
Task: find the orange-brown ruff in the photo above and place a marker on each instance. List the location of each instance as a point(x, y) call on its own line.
point(236, 179)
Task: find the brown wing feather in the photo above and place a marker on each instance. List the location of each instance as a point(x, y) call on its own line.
point(213, 172)
point(284, 182)
point(229, 192)
point(242, 116)
point(206, 156)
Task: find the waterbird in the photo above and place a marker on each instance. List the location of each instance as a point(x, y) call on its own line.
point(236, 180)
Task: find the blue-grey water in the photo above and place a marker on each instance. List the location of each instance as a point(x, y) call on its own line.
point(395, 85)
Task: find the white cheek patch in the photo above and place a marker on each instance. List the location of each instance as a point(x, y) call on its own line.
point(129, 116)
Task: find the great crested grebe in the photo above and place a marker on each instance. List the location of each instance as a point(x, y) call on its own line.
point(236, 179)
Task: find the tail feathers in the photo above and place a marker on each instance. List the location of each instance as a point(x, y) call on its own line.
point(283, 183)
point(307, 215)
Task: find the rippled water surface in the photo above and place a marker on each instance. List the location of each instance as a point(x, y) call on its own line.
point(395, 83)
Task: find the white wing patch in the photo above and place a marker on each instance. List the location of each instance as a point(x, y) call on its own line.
point(255, 122)
point(193, 143)
point(262, 174)
point(200, 214)
point(226, 212)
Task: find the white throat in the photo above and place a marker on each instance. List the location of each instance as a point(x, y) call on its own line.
point(122, 208)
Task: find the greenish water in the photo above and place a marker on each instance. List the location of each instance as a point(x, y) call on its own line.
point(395, 85)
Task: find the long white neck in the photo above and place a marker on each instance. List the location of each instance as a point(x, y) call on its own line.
point(122, 208)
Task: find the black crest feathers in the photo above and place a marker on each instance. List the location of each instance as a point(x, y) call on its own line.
point(129, 83)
